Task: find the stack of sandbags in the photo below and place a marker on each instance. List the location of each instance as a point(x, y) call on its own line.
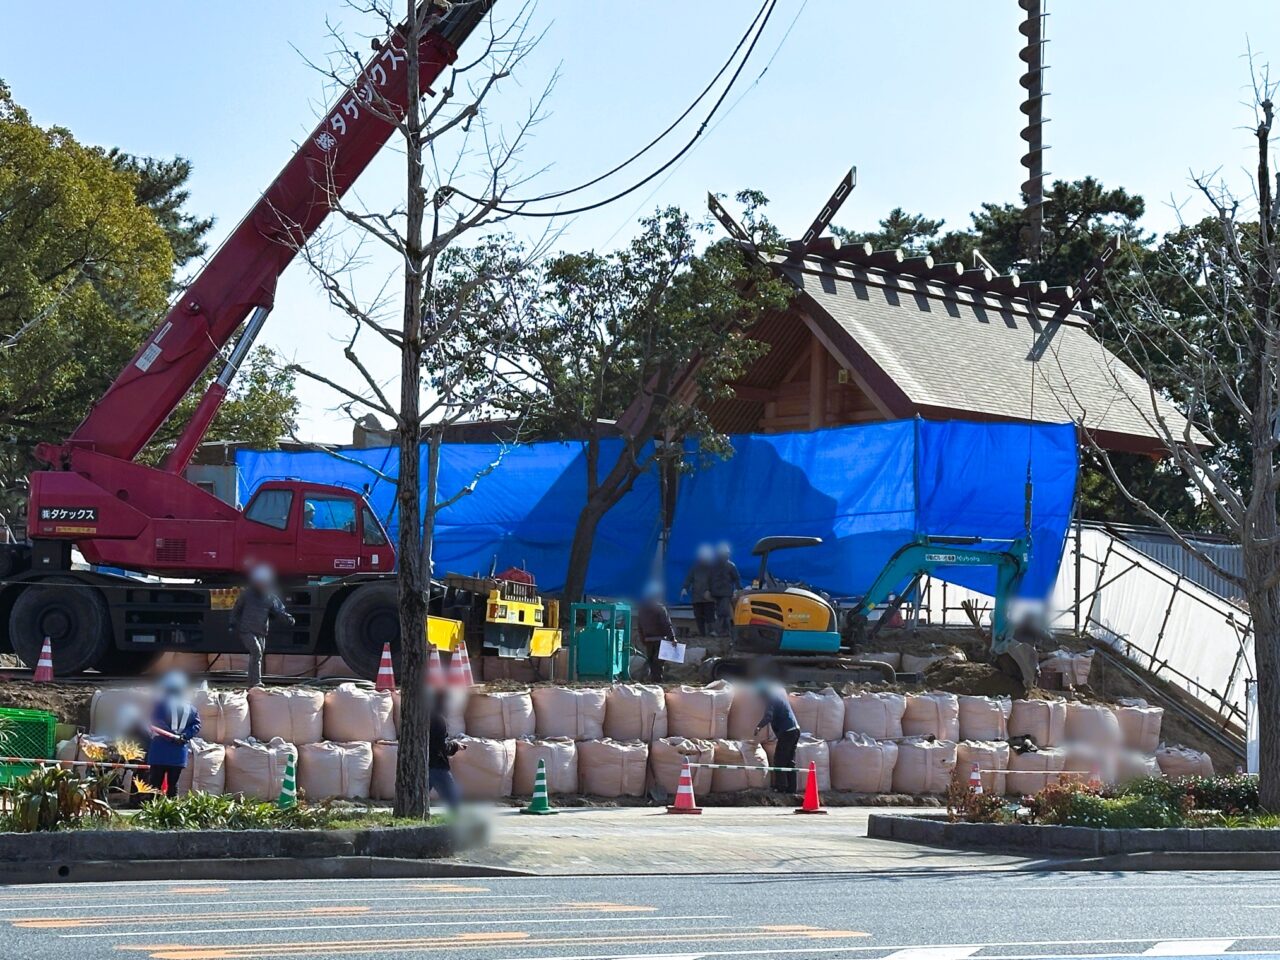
point(863, 765)
point(561, 756)
point(119, 711)
point(892, 657)
point(1140, 726)
point(1183, 762)
point(353, 713)
point(739, 753)
point(992, 758)
point(1034, 770)
point(932, 715)
point(486, 768)
point(294, 714)
point(1044, 721)
point(983, 718)
point(224, 715)
point(1135, 765)
point(577, 713)
point(500, 716)
point(256, 769)
point(386, 754)
point(1093, 724)
point(327, 769)
point(635, 711)
point(809, 750)
point(746, 710)
point(612, 768)
point(206, 770)
point(820, 714)
point(667, 757)
point(924, 766)
point(877, 715)
point(454, 701)
point(700, 713)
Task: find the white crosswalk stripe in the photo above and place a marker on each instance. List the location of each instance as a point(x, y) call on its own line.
point(933, 953)
point(1188, 948)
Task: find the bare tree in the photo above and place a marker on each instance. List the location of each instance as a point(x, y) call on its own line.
point(1199, 318)
point(448, 370)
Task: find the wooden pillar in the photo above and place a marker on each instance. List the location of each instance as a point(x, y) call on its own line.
point(817, 384)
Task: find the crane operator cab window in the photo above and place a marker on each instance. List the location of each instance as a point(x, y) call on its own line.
point(329, 513)
point(271, 507)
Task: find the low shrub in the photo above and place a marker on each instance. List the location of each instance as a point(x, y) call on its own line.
point(207, 811)
point(55, 798)
point(965, 806)
point(1086, 809)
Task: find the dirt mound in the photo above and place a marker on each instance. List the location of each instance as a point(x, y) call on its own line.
point(69, 702)
point(967, 678)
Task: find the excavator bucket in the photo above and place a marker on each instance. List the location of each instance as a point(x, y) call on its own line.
point(1020, 661)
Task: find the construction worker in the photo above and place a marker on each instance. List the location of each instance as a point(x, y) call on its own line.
point(439, 749)
point(174, 722)
point(697, 587)
point(251, 617)
point(782, 719)
point(653, 623)
point(725, 582)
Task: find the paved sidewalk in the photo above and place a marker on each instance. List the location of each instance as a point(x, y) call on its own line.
point(645, 840)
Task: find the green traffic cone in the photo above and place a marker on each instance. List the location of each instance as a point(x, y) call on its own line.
point(289, 788)
point(541, 803)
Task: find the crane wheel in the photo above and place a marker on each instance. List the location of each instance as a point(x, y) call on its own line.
point(368, 618)
point(72, 614)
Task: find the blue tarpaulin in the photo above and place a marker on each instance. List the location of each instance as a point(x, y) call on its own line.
point(866, 490)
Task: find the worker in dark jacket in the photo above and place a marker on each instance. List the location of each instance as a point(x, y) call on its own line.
point(653, 622)
point(725, 582)
point(782, 719)
point(439, 749)
point(257, 605)
point(174, 722)
point(697, 587)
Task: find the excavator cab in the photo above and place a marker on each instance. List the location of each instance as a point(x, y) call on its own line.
point(773, 616)
point(313, 529)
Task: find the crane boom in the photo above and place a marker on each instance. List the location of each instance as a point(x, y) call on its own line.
point(240, 278)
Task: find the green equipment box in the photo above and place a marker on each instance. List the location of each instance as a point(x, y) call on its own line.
point(600, 641)
point(24, 733)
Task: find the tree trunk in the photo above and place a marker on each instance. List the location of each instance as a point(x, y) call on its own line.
point(1264, 608)
point(584, 538)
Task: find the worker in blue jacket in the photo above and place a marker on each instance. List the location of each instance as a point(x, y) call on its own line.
point(174, 723)
point(779, 717)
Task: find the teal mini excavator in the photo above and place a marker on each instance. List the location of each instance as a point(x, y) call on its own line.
point(789, 630)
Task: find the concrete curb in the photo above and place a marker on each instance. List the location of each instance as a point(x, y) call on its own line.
point(1175, 845)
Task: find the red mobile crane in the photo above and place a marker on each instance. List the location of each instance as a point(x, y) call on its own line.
point(327, 545)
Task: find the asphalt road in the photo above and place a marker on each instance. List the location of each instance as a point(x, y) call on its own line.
point(934, 916)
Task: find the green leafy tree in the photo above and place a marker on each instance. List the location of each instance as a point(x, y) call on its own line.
point(161, 186)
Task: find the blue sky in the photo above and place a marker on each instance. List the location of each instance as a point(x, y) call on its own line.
point(921, 94)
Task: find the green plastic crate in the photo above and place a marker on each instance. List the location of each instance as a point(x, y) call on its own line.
point(26, 733)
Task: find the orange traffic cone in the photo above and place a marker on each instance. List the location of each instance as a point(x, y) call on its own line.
point(44, 666)
point(811, 802)
point(435, 672)
point(386, 674)
point(464, 677)
point(975, 781)
point(684, 792)
point(1095, 776)
point(164, 785)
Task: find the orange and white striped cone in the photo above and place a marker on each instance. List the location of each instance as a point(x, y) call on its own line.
point(685, 802)
point(386, 673)
point(975, 780)
point(811, 804)
point(435, 673)
point(1095, 776)
point(465, 677)
point(44, 666)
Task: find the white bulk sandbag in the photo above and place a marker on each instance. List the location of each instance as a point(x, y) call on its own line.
point(353, 713)
point(1140, 727)
point(876, 715)
point(500, 716)
point(485, 769)
point(983, 718)
point(454, 701)
point(1135, 765)
point(1034, 770)
point(924, 766)
point(1093, 724)
point(862, 764)
point(224, 715)
point(327, 769)
point(1183, 762)
point(1073, 667)
point(118, 711)
point(700, 713)
point(576, 713)
point(745, 711)
point(293, 714)
point(612, 768)
point(386, 754)
point(819, 713)
point(256, 769)
point(1044, 721)
point(932, 715)
point(635, 711)
point(739, 753)
point(992, 758)
point(892, 657)
point(206, 770)
point(666, 760)
point(561, 756)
